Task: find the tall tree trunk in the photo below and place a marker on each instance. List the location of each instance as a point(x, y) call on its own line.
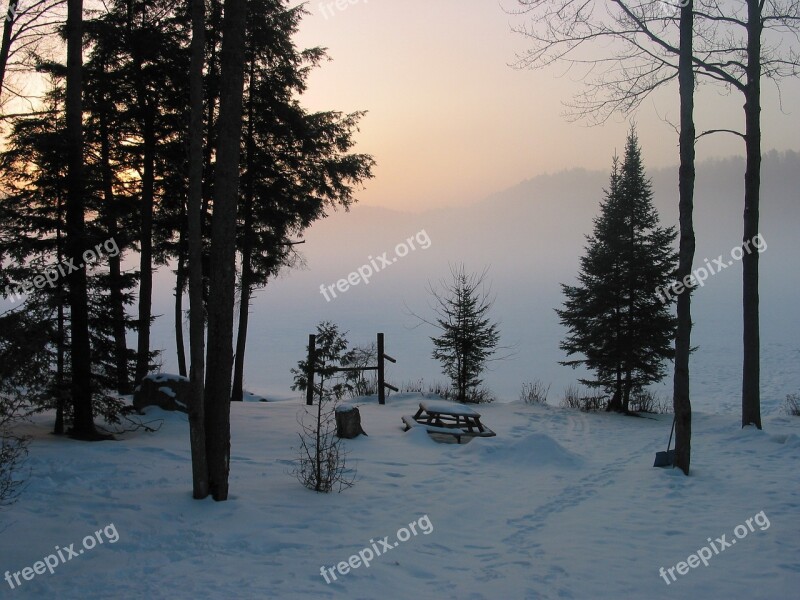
point(626, 394)
point(146, 241)
point(751, 399)
point(212, 89)
point(147, 116)
point(223, 249)
point(197, 435)
point(237, 393)
point(180, 287)
point(116, 296)
point(83, 422)
point(681, 402)
point(58, 427)
point(5, 45)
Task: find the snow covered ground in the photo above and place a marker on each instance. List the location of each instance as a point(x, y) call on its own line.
point(559, 505)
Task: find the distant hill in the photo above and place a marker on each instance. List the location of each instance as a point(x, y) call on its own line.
point(531, 236)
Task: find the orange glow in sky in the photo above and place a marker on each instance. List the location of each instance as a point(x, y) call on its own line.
point(450, 122)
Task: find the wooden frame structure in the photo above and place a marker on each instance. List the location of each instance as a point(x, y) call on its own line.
point(382, 356)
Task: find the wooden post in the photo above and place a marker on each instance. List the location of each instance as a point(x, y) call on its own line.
point(381, 391)
point(312, 351)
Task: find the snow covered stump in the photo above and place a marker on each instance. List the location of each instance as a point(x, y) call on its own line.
point(169, 392)
point(348, 422)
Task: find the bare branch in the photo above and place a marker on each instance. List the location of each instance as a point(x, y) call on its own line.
point(710, 131)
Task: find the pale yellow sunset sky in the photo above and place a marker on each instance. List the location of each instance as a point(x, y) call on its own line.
point(450, 122)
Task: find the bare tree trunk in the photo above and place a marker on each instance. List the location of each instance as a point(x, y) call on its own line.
point(247, 251)
point(237, 394)
point(197, 433)
point(5, 45)
point(147, 116)
point(223, 250)
point(626, 393)
point(146, 243)
point(681, 401)
point(114, 262)
point(180, 287)
point(751, 399)
point(58, 427)
point(83, 422)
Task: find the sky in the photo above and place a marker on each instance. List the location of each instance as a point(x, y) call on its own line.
point(451, 122)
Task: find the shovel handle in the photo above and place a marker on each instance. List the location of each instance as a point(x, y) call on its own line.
point(669, 443)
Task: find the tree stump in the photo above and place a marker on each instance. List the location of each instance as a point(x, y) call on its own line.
point(348, 422)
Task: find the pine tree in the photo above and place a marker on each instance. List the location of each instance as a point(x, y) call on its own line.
point(615, 319)
point(295, 164)
point(468, 337)
point(322, 462)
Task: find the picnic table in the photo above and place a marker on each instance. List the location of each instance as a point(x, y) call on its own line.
point(448, 418)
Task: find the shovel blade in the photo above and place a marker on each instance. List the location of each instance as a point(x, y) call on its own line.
point(665, 459)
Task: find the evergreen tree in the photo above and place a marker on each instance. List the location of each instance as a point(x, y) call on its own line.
point(322, 464)
point(33, 243)
point(295, 164)
point(468, 337)
point(615, 319)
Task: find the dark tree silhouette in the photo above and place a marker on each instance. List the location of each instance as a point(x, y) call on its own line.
point(615, 320)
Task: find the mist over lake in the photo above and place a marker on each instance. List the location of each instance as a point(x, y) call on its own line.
point(531, 237)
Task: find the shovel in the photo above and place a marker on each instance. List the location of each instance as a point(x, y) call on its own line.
point(666, 459)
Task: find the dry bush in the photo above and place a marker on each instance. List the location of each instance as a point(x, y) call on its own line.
point(322, 462)
point(583, 400)
point(534, 392)
point(646, 401)
point(793, 404)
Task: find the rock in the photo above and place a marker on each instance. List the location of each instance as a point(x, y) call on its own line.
point(348, 422)
point(169, 392)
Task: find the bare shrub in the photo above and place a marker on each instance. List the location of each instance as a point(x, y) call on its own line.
point(322, 465)
point(583, 400)
point(793, 404)
point(534, 392)
point(361, 383)
point(646, 401)
point(434, 389)
point(480, 395)
point(13, 449)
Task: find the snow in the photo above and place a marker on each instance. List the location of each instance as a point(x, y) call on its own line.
point(167, 391)
point(560, 504)
point(451, 408)
point(162, 377)
point(251, 397)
